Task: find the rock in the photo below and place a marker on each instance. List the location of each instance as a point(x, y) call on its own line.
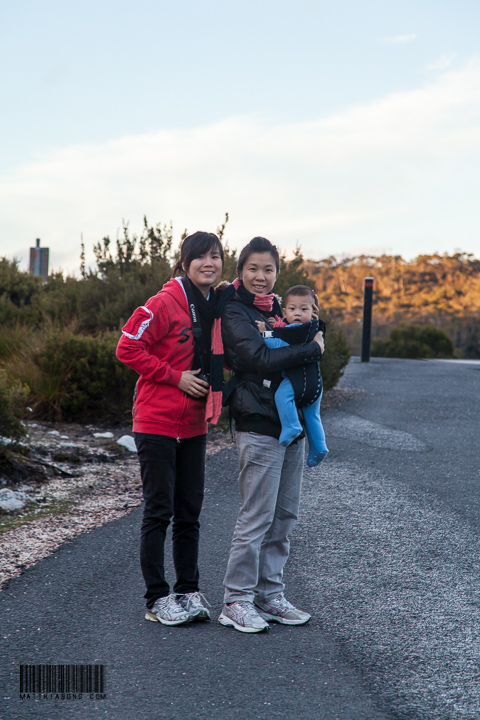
point(10, 500)
point(128, 442)
point(105, 435)
point(63, 437)
point(53, 432)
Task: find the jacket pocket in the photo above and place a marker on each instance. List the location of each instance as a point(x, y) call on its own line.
point(254, 399)
point(147, 393)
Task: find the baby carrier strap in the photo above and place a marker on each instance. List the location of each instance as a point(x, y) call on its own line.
point(306, 379)
point(300, 334)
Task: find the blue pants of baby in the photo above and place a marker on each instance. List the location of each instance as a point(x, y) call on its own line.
point(291, 427)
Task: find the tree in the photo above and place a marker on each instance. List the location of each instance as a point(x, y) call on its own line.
point(292, 272)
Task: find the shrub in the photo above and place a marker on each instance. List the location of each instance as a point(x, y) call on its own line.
point(11, 339)
point(336, 356)
point(74, 377)
point(292, 272)
point(59, 336)
point(414, 341)
point(19, 294)
point(12, 407)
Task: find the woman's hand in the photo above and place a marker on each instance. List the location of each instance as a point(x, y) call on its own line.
point(192, 385)
point(319, 339)
point(261, 326)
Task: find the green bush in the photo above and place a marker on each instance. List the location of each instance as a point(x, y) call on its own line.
point(292, 272)
point(336, 356)
point(74, 377)
point(19, 294)
point(59, 336)
point(414, 341)
point(11, 339)
point(12, 407)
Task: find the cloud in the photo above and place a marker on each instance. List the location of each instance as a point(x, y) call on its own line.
point(400, 39)
point(443, 62)
point(402, 169)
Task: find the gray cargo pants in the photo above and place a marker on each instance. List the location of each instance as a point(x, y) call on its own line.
point(270, 482)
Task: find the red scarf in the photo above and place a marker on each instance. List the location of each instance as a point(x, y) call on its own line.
point(265, 303)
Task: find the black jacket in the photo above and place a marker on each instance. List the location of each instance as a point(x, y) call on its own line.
point(253, 403)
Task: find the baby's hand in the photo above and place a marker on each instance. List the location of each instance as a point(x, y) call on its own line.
point(319, 339)
point(272, 320)
point(260, 325)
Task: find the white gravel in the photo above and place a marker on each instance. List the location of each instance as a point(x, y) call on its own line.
point(99, 493)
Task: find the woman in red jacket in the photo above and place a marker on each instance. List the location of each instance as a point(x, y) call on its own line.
point(169, 423)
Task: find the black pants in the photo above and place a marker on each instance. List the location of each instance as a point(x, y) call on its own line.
point(173, 476)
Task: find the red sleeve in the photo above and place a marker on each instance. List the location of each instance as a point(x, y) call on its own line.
point(280, 323)
point(148, 325)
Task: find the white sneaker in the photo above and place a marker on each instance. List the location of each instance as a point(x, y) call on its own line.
point(195, 604)
point(168, 612)
point(243, 616)
point(278, 609)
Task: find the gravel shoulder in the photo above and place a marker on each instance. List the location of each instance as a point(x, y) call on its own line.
point(96, 481)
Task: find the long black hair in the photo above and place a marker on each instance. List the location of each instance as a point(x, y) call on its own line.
point(192, 247)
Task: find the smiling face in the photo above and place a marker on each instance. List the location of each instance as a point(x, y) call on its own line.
point(205, 270)
point(298, 309)
point(259, 273)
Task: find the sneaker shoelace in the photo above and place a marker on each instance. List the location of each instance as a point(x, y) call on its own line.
point(247, 608)
point(198, 597)
point(169, 602)
point(282, 603)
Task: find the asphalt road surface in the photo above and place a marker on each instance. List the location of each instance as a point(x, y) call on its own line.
point(386, 557)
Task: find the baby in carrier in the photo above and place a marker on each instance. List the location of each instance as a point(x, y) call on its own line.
point(302, 386)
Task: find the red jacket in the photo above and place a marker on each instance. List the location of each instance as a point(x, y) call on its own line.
point(157, 342)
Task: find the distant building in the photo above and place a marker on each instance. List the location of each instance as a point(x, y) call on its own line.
point(39, 260)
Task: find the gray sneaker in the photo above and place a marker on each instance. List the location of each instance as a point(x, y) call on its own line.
point(243, 616)
point(168, 612)
point(278, 609)
point(195, 604)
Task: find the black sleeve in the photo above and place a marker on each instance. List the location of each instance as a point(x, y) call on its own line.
point(242, 337)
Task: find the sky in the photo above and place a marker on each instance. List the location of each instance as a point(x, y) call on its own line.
point(343, 127)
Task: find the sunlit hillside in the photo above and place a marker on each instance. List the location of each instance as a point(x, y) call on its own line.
point(443, 290)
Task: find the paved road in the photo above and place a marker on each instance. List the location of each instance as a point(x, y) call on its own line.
point(386, 554)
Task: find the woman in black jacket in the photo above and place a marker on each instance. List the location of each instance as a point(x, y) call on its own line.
point(270, 475)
